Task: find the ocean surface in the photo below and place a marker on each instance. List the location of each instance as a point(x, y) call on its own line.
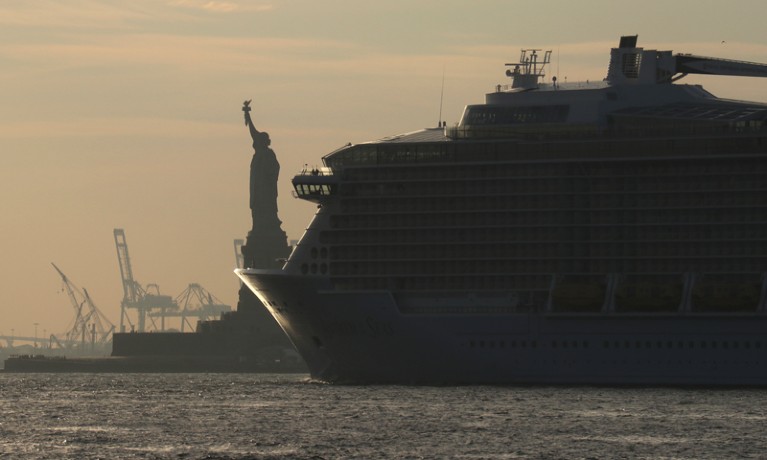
point(251, 416)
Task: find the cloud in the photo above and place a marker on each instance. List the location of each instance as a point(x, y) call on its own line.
point(116, 127)
point(75, 14)
point(222, 6)
point(134, 53)
point(111, 15)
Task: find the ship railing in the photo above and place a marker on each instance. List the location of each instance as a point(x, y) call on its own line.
point(591, 131)
point(538, 132)
point(588, 84)
point(315, 171)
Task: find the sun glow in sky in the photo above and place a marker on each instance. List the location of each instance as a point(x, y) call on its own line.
point(127, 114)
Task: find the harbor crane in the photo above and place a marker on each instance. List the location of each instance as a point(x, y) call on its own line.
point(134, 295)
point(89, 325)
point(195, 302)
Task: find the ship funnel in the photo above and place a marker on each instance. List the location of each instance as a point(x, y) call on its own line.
point(630, 65)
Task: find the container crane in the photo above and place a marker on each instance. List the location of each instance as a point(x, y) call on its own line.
point(135, 296)
point(90, 324)
point(195, 302)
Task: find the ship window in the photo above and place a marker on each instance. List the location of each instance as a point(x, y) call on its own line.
point(499, 115)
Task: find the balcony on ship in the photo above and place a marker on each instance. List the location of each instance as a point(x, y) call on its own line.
point(314, 184)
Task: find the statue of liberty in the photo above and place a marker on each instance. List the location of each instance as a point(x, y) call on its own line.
point(266, 246)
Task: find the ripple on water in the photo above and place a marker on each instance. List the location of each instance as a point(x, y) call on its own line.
point(197, 416)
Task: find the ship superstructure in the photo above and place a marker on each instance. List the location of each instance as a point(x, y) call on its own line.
point(598, 232)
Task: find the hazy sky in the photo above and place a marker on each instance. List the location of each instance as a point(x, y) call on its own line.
point(127, 114)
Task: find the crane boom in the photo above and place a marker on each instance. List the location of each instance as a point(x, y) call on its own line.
point(132, 291)
point(88, 318)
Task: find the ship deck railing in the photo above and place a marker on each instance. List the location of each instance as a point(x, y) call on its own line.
point(552, 131)
point(322, 171)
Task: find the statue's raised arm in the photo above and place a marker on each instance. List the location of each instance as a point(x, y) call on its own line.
point(248, 121)
point(260, 140)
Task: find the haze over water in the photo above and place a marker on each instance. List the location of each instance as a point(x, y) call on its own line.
point(128, 115)
point(247, 416)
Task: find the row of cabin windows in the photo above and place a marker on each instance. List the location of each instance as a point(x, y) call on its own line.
point(558, 202)
point(546, 249)
point(463, 177)
point(571, 219)
point(553, 234)
point(584, 264)
point(583, 186)
point(313, 189)
point(450, 152)
point(539, 283)
point(681, 344)
point(647, 344)
point(658, 171)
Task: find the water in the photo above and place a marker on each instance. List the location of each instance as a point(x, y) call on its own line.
point(247, 416)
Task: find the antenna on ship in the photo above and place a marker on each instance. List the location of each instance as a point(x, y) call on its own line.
point(441, 97)
point(528, 70)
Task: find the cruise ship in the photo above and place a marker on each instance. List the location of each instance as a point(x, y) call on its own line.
point(604, 232)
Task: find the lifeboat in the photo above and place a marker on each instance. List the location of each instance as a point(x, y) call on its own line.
point(648, 297)
point(726, 297)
